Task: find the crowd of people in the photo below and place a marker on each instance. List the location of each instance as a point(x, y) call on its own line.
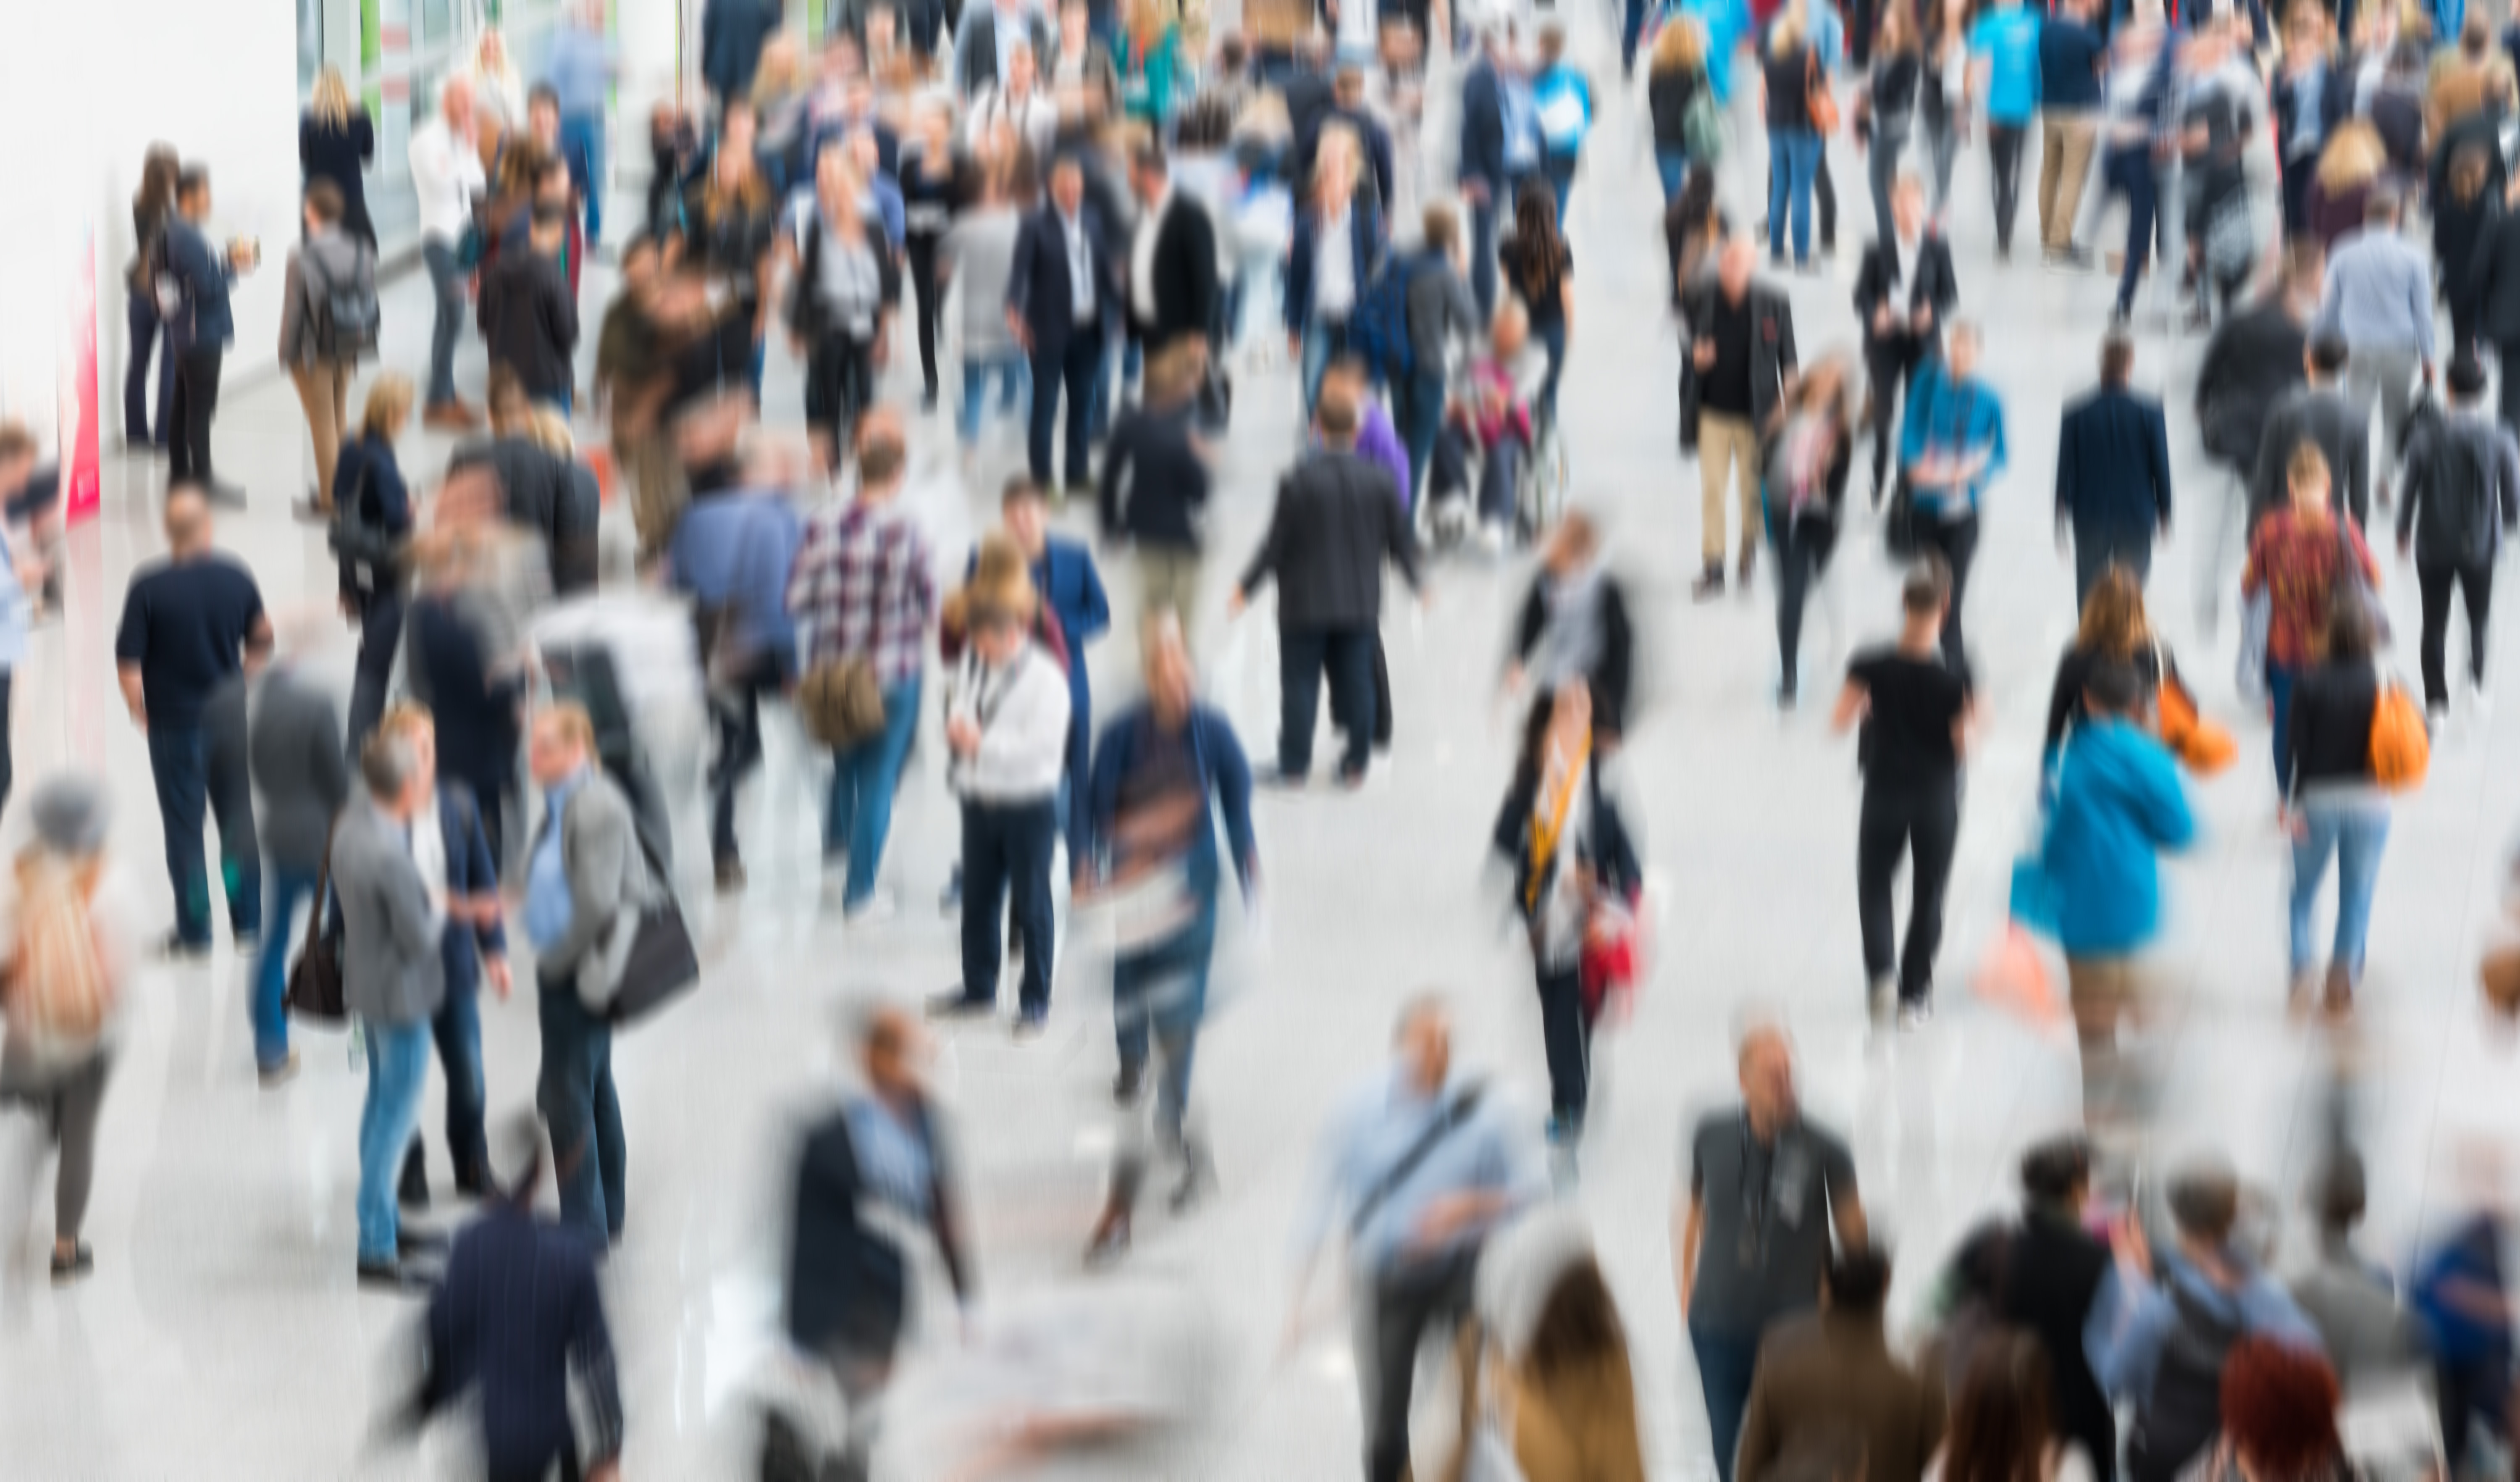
point(1092, 181)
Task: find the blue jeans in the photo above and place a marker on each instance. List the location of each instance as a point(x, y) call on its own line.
point(2131, 172)
point(180, 762)
point(1552, 335)
point(1483, 253)
point(446, 280)
point(1164, 990)
point(1014, 383)
point(2279, 683)
point(1673, 166)
point(147, 335)
point(1418, 404)
point(578, 1104)
point(2354, 832)
point(398, 1068)
point(1325, 340)
point(1725, 1362)
point(581, 143)
point(457, 1031)
point(1560, 170)
point(290, 888)
point(1795, 160)
point(863, 778)
point(1632, 26)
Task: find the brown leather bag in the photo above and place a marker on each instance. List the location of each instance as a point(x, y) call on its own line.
point(840, 703)
point(315, 978)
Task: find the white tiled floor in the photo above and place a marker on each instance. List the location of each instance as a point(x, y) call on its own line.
point(222, 1336)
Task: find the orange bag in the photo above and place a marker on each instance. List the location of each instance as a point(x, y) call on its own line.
point(2013, 978)
point(2401, 748)
point(1822, 105)
point(2201, 747)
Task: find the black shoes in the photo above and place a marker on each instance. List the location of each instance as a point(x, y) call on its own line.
point(1708, 587)
point(730, 876)
point(412, 1191)
point(75, 1267)
point(397, 1275)
point(1128, 1085)
point(176, 948)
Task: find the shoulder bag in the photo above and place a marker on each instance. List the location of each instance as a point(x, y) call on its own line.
point(650, 960)
point(315, 979)
point(1464, 1102)
point(2353, 584)
point(1817, 98)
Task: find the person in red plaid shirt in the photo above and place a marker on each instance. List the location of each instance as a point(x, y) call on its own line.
point(862, 588)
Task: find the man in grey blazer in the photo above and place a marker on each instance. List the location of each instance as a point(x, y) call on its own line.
point(585, 871)
point(393, 980)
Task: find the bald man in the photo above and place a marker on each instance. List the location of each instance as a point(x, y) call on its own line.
point(190, 622)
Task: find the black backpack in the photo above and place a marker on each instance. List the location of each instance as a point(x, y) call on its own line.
point(343, 317)
point(368, 552)
point(2183, 1412)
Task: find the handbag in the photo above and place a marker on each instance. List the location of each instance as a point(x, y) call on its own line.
point(1612, 953)
point(315, 978)
point(658, 963)
point(2356, 586)
point(1902, 535)
point(1817, 98)
point(2201, 747)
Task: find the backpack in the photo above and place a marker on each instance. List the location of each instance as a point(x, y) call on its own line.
point(2185, 1410)
point(2402, 745)
point(343, 317)
point(58, 991)
point(1701, 125)
point(1377, 330)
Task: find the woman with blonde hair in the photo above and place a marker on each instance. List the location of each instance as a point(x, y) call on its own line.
point(730, 232)
point(2349, 171)
point(2304, 557)
point(1671, 82)
point(336, 138)
point(781, 94)
point(2115, 629)
point(1793, 142)
point(367, 487)
point(497, 86)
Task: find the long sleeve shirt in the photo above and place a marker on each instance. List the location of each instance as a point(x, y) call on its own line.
point(1948, 420)
point(735, 551)
point(2132, 1319)
point(446, 174)
point(1496, 1150)
point(1021, 708)
point(2380, 295)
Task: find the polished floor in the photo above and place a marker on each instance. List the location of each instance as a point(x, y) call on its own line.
point(222, 1336)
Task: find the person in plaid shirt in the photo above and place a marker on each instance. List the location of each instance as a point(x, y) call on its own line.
point(862, 587)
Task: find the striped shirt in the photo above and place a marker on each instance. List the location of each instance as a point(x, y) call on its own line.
point(862, 588)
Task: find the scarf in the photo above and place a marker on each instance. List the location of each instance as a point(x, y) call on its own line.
point(1549, 805)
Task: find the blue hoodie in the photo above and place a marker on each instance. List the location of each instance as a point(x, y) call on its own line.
point(2118, 803)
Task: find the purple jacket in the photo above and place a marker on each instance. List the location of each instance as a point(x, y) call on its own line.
point(1376, 440)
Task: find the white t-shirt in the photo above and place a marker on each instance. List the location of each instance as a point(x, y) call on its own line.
point(445, 174)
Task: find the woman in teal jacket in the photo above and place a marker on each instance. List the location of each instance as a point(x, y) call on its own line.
point(1951, 447)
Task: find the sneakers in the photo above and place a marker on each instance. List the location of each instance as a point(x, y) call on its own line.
point(877, 908)
point(1708, 587)
point(410, 1191)
point(2436, 719)
point(2479, 698)
point(1915, 1015)
point(954, 1004)
point(278, 1073)
point(76, 1266)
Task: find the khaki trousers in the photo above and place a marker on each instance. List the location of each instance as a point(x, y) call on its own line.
point(1723, 442)
point(1168, 580)
point(324, 390)
point(2065, 141)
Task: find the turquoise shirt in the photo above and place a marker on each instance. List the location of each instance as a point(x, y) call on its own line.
point(2007, 40)
point(1726, 23)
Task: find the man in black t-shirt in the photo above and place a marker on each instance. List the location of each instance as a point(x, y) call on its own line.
point(1915, 707)
point(189, 623)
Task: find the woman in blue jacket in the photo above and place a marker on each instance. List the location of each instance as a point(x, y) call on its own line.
point(1951, 447)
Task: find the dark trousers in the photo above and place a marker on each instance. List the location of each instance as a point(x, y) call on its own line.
point(147, 335)
point(2097, 550)
point(1072, 368)
point(2004, 153)
point(839, 385)
point(2466, 331)
point(1956, 540)
point(927, 297)
point(1632, 26)
point(8, 747)
point(590, 1159)
point(1006, 853)
point(1566, 1034)
point(2507, 352)
point(1725, 1363)
point(734, 712)
point(2470, 1392)
point(1890, 363)
point(1396, 1315)
point(1802, 553)
point(380, 635)
point(1483, 248)
point(197, 401)
point(1303, 656)
point(2475, 588)
point(1924, 826)
point(1417, 406)
point(561, 1469)
point(457, 1030)
point(2130, 172)
point(180, 761)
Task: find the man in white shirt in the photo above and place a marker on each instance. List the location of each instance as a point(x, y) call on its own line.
point(1018, 101)
point(446, 173)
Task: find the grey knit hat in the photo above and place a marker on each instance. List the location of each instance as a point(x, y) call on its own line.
point(70, 810)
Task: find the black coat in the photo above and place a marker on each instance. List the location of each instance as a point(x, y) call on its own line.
point(847, 1283)
point(2342, 432)
point(1771, 352)
point(1612, 673)
point(478, 730)
point(2459, 235)
point(529, 322)
point(2051, 1275)
point(1185, 275)
point(2250, 364)
point(1337, 517)
point(544, 495)
point(1155, 486)
point(1606, 846)
point(2496, 280)
point(2113, 466)
point(1037, 286)
point(1878, 279)
point(981, 55)
point(335, 155)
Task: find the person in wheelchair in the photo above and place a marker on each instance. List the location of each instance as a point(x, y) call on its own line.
point(1489, 421)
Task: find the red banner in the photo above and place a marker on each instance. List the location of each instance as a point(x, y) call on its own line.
point(80, 436)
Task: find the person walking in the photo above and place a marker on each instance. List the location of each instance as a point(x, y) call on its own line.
point(2465, 217)
point(1942, 93)
point(863, 589)
point(1564, 835)
point(726, 228)
point(1172, 279)
point(1751, 1243)
point(979, 248)
point(1418, 1166)
point(293, 750)
point(2462, 495)
point(2113, 629)
point(373, 510)
point(2053, 1268)
point(1007, 726)
point(1332, 257)
point(2255, 358)
point(1575, 624)
point(336, 141)
point(1336, 519)
point(1673, 78)
point(2001, 1425)
point(1808, 458)
point(529, 316)
point(585, 869)
point(1741, 352)
point(2310, 100)
point(1487, 182)
point(2380, 303)
point(393, 978)
point(189, 622)
point(445, 162)
point(934, 190)
point(2005, 62)
point(2303, 558)
point(1905, 290)
point(1886, 112)
point(66, 961)
point(1155, 486)
point(1065, 578)
point(2112, 475)
point(733, 34)
point(1540, 268)
point(1793, 69)
point(840, 312)
point(2070, 57)
point(579, 70)
point(153, 207)
point(1441, 313)
point(1951, 447)
point(2136, 98)
point(27, 577)
point(321, 353)
point(2494, 281)
point(2373, 1341)
point(2334, 806)
point(1163, 771)
point(200, 331)
point(1563, 98)
point(1917, 702)
point(1062, 297)
point(1833, 1368)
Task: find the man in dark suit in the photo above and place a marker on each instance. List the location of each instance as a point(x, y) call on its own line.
point(1172, 262)
point(984, 42)
point(2318, 413)
point(1903, 292)
point(1061, 292)
point(2112, 473)
point(1485, 181)
point(1348, 107)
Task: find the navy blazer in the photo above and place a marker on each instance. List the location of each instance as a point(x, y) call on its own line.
point(477, 731)
point(469, 871)
point(1067, 580)
point(205, 273)
point(1483, 130)
point(1366, 243)
point(1037, 286)
point(2113, 464)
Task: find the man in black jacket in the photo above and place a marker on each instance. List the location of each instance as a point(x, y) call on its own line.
point(1337, 517)
point(1741, 350)
point(2050, 1273)
point(1156, 485)
point(1903, 292)
point(2112, 473)
point(2318, 413)
point(2252, 362)
point(1172, 262)
point(2464, 472)
point(529, 315)
point(1062, 290)
point(540, 490)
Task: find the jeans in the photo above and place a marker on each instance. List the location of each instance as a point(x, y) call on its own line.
point(2279, 683)
point(1483, 251)
point(2470, 1392)
point(1552, 335)
point(1926, 827)
point(457, 1030)
point(195, 403)
point(2129, 172)
point(1162, 991)
point(1560, 170)
point(1006, 855)
point(736, 716)
point(1325, 340)
point(2095, 551)
point(1632, 26)
point(581, 142)
point(863, 779)
point(1417, 406)
point(1803, 549)
point(575, 1095)
point(2003, 143)
point(1672, 166)
point(1793, 155)
point(1942, 146)
point(379, 636)
point(1566, 1036)
point(1725, 1363)
point(1015, 381)
point(1074, 368)
point(1881, 168)
point(147, 335)
point(446, 280)
point(1393, 1317)
point(839, 385)
point(290, 888)
point(2475, 588)
point(1956, 540)
point(180, 762)
point(2354, 832)
point(398, 1070)
point(1303, 654)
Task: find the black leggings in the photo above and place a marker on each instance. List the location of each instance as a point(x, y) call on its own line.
point(1926, 825)
point(1956, 542)
point(2476, 588)
point(929, 302)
